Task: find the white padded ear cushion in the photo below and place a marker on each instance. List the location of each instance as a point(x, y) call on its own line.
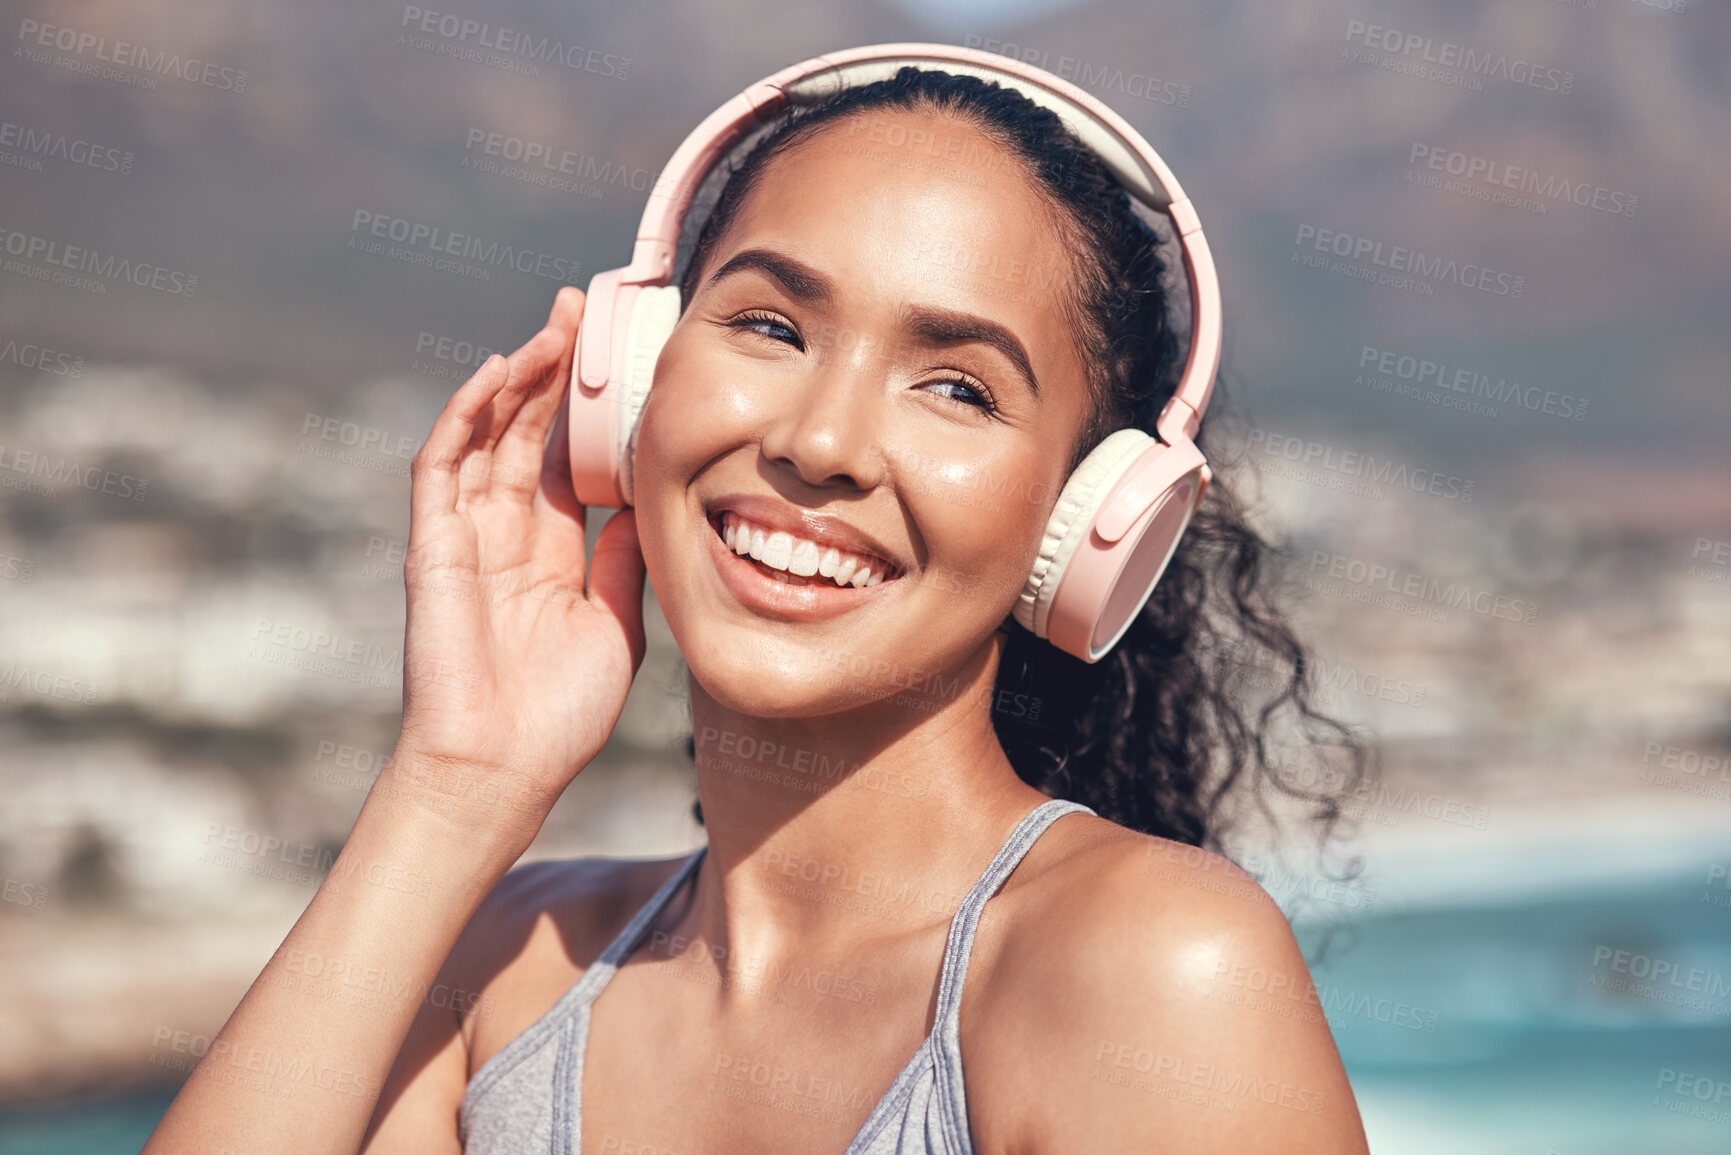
point(1072, 519)
point(654, 313)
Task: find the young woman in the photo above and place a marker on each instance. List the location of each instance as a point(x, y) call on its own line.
point(875, 759)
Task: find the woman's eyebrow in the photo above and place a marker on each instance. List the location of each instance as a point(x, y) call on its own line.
point(801, 281)
point(939, 326)
point(931, 324)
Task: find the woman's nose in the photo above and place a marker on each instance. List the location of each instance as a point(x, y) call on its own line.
point(828, 430)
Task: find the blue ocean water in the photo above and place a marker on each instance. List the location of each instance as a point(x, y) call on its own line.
point(1565, 1024)
point(1507, 1028)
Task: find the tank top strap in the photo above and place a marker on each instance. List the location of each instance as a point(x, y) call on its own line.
point(947, 1018)
point(563, 1016)
point(626, 941)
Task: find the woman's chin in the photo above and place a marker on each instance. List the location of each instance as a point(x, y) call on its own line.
point(765, 689)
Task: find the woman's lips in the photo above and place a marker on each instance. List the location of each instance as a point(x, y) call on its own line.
point(776, 593)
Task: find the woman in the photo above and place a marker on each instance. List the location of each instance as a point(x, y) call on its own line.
point(875, 758)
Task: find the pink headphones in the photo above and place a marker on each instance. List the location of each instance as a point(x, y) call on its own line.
point(1120, 514)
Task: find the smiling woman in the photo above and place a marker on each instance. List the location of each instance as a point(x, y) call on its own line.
point(901, 399)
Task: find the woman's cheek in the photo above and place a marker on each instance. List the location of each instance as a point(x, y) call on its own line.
point(968, 528)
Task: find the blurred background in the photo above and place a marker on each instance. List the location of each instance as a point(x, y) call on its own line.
point(1501, 468)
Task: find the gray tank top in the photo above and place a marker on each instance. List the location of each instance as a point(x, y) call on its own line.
point(528, 1096)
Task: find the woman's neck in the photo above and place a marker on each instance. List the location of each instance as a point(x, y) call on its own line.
point(828, 833)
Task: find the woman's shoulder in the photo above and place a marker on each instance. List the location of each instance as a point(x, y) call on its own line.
point(1102, 879)
point(535, 934)
point(579, 893)
point(1169, 982)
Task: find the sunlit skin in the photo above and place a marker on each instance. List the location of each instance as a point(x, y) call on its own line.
point(869, 424)
point(1103, 1010)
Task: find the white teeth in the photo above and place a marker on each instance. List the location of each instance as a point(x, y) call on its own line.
point(785, 554)
point(777, 548)
point(803, 560)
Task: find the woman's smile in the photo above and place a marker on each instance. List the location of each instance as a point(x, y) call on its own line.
point(773, 572)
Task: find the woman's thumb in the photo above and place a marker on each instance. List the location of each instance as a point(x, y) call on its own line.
point(616, 574)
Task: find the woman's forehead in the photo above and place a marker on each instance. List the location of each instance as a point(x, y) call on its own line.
point(900, 196)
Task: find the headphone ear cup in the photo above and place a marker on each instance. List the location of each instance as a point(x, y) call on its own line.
point(1072, 518)
point(654, 313)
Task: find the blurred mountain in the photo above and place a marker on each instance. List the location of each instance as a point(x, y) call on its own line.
point(256, 192)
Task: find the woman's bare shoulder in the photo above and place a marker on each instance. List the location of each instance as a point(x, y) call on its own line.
point(1175, 990)
point(1109, 891)
point(536, 933)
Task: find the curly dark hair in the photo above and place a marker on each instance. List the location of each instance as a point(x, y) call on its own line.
point(1157, 734)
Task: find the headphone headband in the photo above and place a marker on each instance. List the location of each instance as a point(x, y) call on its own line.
point(1124, 151)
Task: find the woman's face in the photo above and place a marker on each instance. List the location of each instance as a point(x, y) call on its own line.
point(854, 369)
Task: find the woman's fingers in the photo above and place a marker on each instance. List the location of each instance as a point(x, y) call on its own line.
point(557, 492)
point(436, 465)
point(616, 575)
point(509, 438)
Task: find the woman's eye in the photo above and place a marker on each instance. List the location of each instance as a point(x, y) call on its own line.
point(757, 322)
point(968, 396)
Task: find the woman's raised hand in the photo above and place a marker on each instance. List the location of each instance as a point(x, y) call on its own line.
point(515, 669)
